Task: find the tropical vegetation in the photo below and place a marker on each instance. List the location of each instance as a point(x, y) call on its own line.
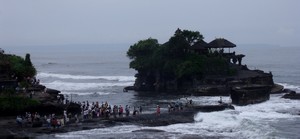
point(174, 59)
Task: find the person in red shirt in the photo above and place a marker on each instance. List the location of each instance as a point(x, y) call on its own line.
point(157, 110)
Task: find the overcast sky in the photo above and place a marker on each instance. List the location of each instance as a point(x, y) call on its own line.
point(59, 22)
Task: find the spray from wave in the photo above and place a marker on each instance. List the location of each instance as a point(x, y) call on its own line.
point(289, 86)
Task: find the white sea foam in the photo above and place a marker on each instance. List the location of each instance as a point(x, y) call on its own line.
point(101, 131)
point(86, 93)
point(86, 77)
point(251, 121)
point(70, 86)
point(289, 86)
point(211, 100)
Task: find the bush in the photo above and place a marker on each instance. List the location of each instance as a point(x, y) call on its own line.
point(17, 65)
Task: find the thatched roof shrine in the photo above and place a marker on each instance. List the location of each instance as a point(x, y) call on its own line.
point(200, 45)
point(220, 43)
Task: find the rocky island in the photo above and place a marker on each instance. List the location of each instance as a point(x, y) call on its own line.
point(186, 64)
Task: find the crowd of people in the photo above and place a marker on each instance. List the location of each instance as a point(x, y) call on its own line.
point(105, 110)
point(28, 118)
point(91, 111)
point(52, 120)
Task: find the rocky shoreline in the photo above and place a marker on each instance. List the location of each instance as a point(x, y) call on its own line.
point(9, 128)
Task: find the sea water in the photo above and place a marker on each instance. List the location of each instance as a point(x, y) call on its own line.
point(100, 72)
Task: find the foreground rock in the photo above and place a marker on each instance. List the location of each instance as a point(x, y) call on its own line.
point(250, 94)
point(9, 129)
point(211, 108)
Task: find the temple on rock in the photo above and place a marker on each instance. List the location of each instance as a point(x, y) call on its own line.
point(189, 65)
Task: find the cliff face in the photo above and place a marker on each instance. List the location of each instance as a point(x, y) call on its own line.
point(250, 94)
point(246, 87)
point(211, 84)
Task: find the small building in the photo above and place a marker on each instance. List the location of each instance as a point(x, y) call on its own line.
point(199, 47)
point(219, 44)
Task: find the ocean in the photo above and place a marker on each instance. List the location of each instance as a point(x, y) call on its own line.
point(100, 72)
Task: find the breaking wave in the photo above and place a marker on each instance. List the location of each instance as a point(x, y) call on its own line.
point(86, 77)
point(87, 93)
point(67, 86)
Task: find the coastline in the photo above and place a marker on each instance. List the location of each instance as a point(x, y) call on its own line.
point(10, 129)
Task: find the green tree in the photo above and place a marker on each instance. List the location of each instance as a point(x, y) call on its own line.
point(21, 67)
point(142, 53)
point(180, 42)
point(27, 60)
point(173, 60)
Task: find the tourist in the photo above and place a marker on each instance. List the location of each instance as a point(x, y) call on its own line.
point(140, 109)
point(191, 102)
point(19, 121)
point(120, 111)
point(177, 105)
point(30, 95)
point(180, 106)
point(220, 101)
point(48, 120)
point(115, 111)
point(58, 98)
point(109, 109)
point(106, 104)
point(85, 114)
point(169, 108)
point(107, 113)
point(87, 104)
point(76, 119)
point(127, 110)
point(134, 111)
point(54, 122)
point(158, 110)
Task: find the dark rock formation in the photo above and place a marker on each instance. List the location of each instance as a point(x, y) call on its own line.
point(151, 119)
point(149, 130)
point(127, 88)
point(211, 108)
point(290, 94)
point(276, 89)
point(288, 91)
point(250, 94)
point(197, 68)
point(211, 90)
point(159, 120)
